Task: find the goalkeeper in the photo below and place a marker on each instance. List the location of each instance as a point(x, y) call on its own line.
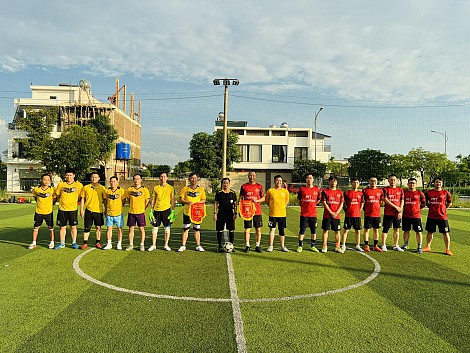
point(162, 210)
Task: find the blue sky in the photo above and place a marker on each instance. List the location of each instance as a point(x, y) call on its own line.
point(386, 72)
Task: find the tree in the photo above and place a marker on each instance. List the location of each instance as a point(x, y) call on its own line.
point(206, 153)
point(429, 164)
point(337, 168)
point(182, 169)
point(107, 136)
point(401, 166)
point(304, 166)
point(156, 169)
point(367, 163)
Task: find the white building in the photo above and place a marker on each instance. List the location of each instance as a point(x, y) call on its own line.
point(273, 150)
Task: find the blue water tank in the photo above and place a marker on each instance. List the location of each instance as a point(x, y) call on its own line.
point(123, 150)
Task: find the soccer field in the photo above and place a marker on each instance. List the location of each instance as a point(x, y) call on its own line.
point(112, 301)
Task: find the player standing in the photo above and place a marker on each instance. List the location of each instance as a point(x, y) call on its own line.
point(44, 196)
point(139, 197)
point(189, 195)
point(332, 199)
point(373, 198)
point(414, 202)
point(225, 212)
point(114, 203)
point(277, 198)
point(91, 208)
point(309, 197)
point(353, 203)
point(68, 194)
point(438, 200)
point(162, 210)
point(254, 192)
point(393, 200)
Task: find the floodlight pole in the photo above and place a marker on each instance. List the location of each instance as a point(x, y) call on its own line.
point(315, 126)
point(445, 139)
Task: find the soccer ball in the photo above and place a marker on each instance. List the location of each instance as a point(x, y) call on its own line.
point(228, 247)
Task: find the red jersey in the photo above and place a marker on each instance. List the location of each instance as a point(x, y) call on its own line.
point(413, 202)
point(436, 201)
point(353, 201)
point(395, 196)
point(309, 198)
point(333, 198)
point(252, 192)
point(372, 201)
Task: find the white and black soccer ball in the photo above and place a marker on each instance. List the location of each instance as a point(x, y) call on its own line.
point(228, 247)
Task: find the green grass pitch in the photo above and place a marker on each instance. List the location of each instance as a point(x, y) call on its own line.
point(417, 303)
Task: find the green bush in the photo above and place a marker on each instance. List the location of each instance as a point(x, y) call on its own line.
point(4, 196)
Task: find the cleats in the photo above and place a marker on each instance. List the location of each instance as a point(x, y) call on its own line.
point(284, 249)
point(343, 247)
point(59, 246)
point(358, 248)
point(51, 245)
point(258, 249)
point(419, 251)
point(142, 247)
point(324, 250)
point(376, 248)
point(299, 249)
point(98, 246)
point(220, 249)
point(426, 249)
point(404, 247)
point(200, 248)
point(182, 248)
point(109, 246)
point(384, 248)
point(397, 248)
point(247, 249)
point(32, 246)
point(152, 248)
point(270, 248)
point(166, 248)
point(84, 246)
point(366, 248)
point(119, 246)
point(74, 246)
point(314, 249)
point(130, 248)
point(338, 249)
point(448, 252)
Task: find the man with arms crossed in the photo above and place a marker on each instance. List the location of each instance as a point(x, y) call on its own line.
point(44, 196)
point(414, 202)
point(91, 208)
point(68, 194)
point(438, 201)
point(309, 197)
point(139, 197)
point(254, 192)
point(162, 210)
point(277, 199)
point(332, 200)
point(393, 199)
point(373, 198)
point(114, 203)
point(353, 202)
point(190, 194)
point(225, 212)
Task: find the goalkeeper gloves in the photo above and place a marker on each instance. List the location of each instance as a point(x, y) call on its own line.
point(151, 216)
point(171, 217)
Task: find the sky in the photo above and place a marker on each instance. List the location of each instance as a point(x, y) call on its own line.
point(386, 72)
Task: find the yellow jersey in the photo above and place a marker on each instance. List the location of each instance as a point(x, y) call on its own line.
point(93, 197)
point(114, 201)
point(44, 199)
point(162, 195)
point(192, 195)
point(278, 200)
point(68, 195)
point(138, 199)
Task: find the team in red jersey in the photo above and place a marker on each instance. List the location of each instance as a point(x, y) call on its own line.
point(393, 200)
point(438, 201)
point(373, 198)
point(414, 201)
point(309, 197)
point(332, 200)
point(254, 192)
point(353, 203)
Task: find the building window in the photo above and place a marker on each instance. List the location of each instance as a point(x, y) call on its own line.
point(52, 97)
point(298, 133)
point(300, 153)
point(279, 154)
point(278, 133)
point(257, 133)
point(250, 153)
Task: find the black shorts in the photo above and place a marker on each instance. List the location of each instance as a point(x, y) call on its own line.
point(91, 218)
point(390, 221)
point(412, 222)
point(39, 218)
point(331, 223)
point(256, 222)
point(224, 222)
point(443, 225)
point(308, 222)
point(281, 224)
point(64, 217)
point(161, 217)
point(187, 223)
point(352, 222)
point(371, 222)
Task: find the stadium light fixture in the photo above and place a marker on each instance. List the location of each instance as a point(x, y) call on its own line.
point(445, 139)
point(315, 126)
point(226, 82)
